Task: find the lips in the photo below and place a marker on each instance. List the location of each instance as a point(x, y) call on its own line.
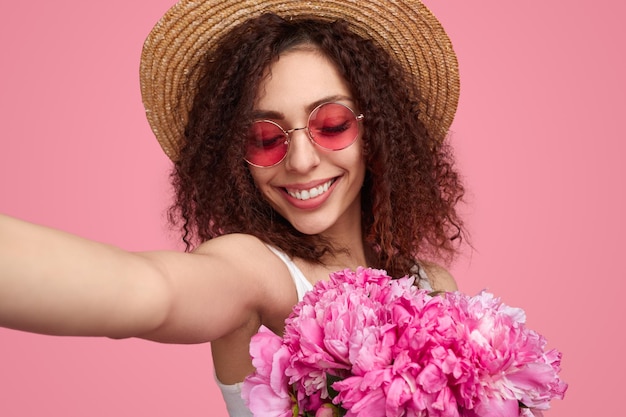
point(306, 194)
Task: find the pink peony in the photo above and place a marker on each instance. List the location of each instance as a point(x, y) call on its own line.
point(265, 392)
point(372, 345)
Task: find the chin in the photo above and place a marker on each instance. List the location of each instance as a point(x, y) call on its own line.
point(309, 229)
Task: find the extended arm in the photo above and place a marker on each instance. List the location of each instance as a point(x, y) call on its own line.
point(55, 283)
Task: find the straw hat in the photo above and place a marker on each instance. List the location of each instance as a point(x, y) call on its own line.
point(174, 49)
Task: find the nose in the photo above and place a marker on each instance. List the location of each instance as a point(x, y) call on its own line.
point(302, 154)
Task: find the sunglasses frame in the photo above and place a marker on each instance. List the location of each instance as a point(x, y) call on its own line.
point(288, 132)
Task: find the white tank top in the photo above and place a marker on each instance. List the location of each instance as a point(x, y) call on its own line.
point(232, 393)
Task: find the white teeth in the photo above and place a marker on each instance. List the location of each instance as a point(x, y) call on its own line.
point(311, 193)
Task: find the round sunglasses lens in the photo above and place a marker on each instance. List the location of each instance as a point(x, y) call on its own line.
point(333, 126)
point(266, 145)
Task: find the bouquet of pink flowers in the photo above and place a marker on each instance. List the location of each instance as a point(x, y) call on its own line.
point(364, 344)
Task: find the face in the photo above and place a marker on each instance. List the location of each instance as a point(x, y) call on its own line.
point(316, 190)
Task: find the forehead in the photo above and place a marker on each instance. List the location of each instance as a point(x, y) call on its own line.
point(298, 78)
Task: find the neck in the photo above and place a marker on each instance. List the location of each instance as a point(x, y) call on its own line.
point(349, 254)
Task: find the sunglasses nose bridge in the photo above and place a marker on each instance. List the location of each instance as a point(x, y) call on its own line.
point(290, 131)
point(295, 129)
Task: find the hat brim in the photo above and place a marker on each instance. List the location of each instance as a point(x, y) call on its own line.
point(172, 53)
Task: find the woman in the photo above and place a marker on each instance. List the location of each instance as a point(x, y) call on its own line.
point(307, 137)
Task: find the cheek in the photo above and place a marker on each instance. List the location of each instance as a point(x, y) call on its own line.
point(354, 158)
point(261, 179)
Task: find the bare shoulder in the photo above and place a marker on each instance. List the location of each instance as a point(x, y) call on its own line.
point(249, 258)
point(234, 244)
point(256, 268)
point(439, 277)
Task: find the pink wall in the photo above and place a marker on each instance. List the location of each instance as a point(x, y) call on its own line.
point(537, 139)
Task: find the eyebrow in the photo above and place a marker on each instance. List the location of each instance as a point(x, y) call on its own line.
point(275, 115)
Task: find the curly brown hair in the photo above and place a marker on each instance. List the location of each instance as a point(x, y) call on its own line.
point(411, 187)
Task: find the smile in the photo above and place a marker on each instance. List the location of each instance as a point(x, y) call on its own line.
point(304, 195)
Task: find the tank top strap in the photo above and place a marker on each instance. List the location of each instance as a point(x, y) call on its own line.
point(302, 284)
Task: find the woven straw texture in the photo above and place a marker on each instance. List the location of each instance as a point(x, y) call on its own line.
point(178, 44)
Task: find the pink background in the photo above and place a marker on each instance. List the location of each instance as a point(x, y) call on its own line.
point(537, 137)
